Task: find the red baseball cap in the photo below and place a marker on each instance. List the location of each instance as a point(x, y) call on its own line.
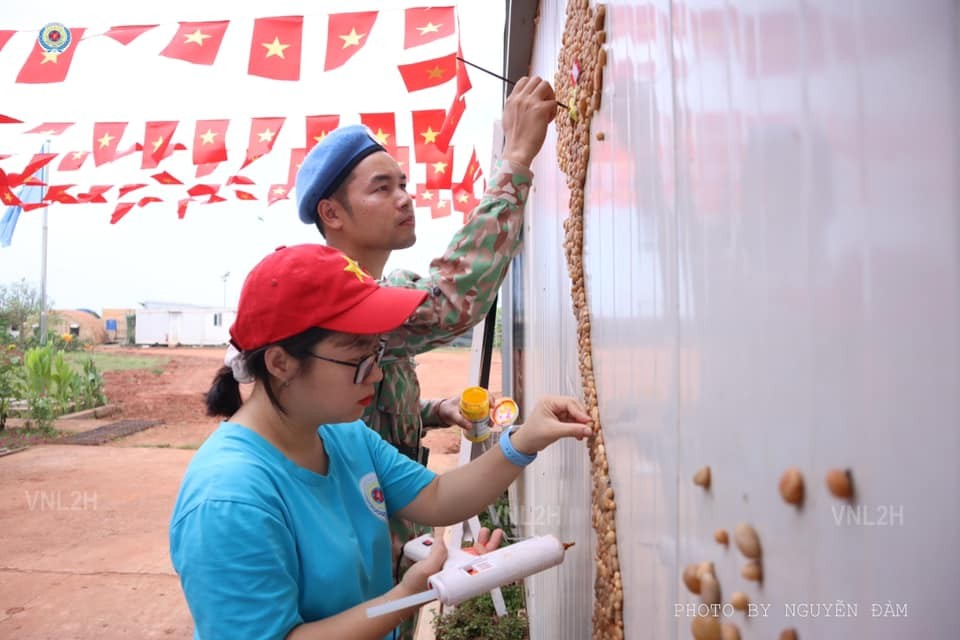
point(312, 285)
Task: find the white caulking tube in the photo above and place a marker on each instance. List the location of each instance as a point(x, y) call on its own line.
point(469, 576)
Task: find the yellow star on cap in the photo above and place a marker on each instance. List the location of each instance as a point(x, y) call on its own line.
point(50, 56)
point(352, 39)
point(207, 137)
point(429, 28)
point(430, 136)
point(354, 268)
point(197, 37)
point(436, 72)
point(275, 48)
point(266, 135)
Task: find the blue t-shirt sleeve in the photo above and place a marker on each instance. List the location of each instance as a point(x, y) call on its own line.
point(401, 478)
point(237, 564)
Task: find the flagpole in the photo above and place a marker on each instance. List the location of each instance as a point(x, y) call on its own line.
point(43, 253)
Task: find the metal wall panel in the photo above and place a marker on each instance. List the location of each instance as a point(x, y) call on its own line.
point(772, 242)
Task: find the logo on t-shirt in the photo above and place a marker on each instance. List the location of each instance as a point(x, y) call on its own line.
point(373, 495)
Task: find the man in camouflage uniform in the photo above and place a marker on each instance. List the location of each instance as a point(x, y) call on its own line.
point(355, 194)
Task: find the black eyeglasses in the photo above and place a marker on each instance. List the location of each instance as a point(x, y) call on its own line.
point(364, 367)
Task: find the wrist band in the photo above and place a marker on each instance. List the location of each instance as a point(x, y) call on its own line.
point(511, 454)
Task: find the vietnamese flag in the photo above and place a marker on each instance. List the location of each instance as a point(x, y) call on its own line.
point(275, 48)
point(464, 201)
point(277, 193)
point(451, 121)
point(50, 128)
point(182, 207)
point(156, 139)
point(383, 126)
point(429, 73)
point(402, 156)
point(263, 133)
point(106, 137)
point(472, 172)
point(440, 209)
point(296, 159)
point(318, 127)
point(165, 178)
point(463, 80)
point(127, 188)
point(58, 193)
point(5, 35)
point(145, 200)
point(197, 42)
point(346, 34)
point(8, 197)
point(426, 127)
point(95, 195)
point(209, 141)
point(127, 34)
point(203, 190)
point(122, 209)
point(423, 25)
point(9, 120)
point(244, 195)
point(206, 169)
point(37, 162)
point(440, 170)
point(73, 160)
point(214, 198)
point(49, 66)
point(425, 197)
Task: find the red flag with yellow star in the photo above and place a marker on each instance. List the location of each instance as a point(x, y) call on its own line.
point(383, 126)
point(423, 25)
point(165, 178)
point(49, 66)
point(402, 156)
point(426, 128)
point(429, 73)
point(440, 209)
point(275, 48)
point(50, 128)
point(277, 193)
point(263, 133)
point(296, 159)
point(346, 34)
point(440, 170)
point(37, 162)
point(209, 141)
point(106, 137)
point(156, 140)
point(127, 188)
point(244, 195)
point(472, 172)
point(73, 160)
point(464, 201)
point(95, 195)
point(8, 197)
point(425, 197)
point(318, 127)
point(451, 121)
point(197, 42)
point(128, 33)
point(145, 200)
point(58, 193)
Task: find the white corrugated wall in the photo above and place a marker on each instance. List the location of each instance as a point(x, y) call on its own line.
point(772, 242)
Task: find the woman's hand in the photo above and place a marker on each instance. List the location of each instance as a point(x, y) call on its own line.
point(485, 543)
point(415, 579)
point(553, 418)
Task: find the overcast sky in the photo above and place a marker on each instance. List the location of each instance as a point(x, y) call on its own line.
point(150, 254)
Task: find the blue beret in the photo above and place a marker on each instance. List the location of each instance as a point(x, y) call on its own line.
point(329, 163)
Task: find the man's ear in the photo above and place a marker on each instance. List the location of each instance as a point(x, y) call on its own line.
point(330, 214)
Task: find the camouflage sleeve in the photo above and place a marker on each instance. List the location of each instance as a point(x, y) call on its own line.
point(428, 412)
point(463, 282)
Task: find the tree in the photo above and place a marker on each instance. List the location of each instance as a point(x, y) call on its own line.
point(19, 304)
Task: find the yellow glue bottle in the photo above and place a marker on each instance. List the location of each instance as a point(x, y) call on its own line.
point(475, 407)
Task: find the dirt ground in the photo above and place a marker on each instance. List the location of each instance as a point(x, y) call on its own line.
point(83, 529)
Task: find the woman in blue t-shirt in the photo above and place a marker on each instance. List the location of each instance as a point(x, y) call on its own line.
point(280, 527)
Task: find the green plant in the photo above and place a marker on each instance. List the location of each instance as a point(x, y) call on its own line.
point(91, 390)
point(9, 364)
point(476, 619)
